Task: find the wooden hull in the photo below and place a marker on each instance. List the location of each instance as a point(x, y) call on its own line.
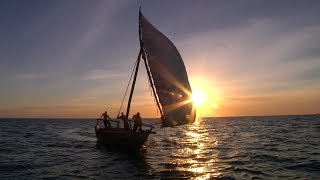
point(120, 138)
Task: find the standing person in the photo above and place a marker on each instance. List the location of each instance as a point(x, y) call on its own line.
point(137, 122)
point(106, 119)
point(125, 121)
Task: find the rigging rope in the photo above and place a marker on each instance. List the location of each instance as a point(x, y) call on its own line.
point(127, 87)
point(153, 95)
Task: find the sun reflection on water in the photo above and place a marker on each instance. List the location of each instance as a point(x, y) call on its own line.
point(196, 155)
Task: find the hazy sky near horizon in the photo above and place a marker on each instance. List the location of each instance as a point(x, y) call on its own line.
point(74, 58)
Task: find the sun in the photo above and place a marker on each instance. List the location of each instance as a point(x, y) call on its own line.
point(206, 97)
point(198, 97)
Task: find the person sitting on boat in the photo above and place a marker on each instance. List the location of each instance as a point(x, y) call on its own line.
point(106, 119)
point(125, 121)
point(137, 122)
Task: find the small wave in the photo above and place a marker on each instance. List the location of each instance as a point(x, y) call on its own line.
point(265, 157)
point(222, 177)
point(311, 166)
point(13, 167)
point(175, 174)
point(5, 150)
point(71, 176)
point(182, 155)
point(77, 134)
point(239, 162)
point(250, 171)
point(27, 135)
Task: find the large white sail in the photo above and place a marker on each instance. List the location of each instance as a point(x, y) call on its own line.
point(169, 75)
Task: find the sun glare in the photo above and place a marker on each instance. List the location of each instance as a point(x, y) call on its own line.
point(206, 97)
point(198, 97)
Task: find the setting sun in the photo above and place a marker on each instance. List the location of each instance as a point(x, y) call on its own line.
point(206, 96)
point(198, 97)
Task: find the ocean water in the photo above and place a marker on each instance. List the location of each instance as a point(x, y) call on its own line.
point(273, 147)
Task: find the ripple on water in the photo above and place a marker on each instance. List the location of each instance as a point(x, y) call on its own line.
point(279, 147)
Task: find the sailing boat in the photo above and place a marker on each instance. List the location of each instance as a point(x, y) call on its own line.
point(170, 86)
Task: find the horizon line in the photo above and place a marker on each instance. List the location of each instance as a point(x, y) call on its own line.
point(82, 118)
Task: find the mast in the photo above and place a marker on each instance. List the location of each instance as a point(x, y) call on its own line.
point(133, 83)
point(148, 69)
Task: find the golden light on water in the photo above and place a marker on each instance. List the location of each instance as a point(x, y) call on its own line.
point(198, 169)
point(193, 134)
point(197, 157)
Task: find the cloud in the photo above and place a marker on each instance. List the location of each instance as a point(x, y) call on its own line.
point(66, 35)
point(100, 74)
point(260, 55)
point(234, 99)
point(253, 98)
point(31, 76)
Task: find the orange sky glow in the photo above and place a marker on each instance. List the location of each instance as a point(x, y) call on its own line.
point(76, 61)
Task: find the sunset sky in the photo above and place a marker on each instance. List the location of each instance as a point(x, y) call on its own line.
point(74, 58)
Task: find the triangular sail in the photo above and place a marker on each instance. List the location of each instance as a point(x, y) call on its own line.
point(169, 75)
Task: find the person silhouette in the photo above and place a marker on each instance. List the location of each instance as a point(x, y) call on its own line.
point(106, 119)
point(137, 122)
point(125, 121)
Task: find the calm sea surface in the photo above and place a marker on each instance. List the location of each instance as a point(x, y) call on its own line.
point(274, 147)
